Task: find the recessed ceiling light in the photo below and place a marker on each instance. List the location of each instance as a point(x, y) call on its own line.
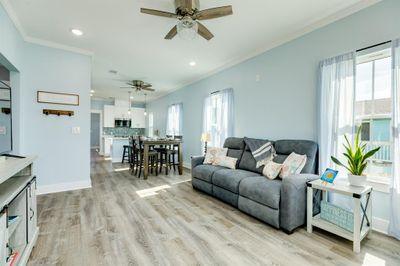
point(91, 91)
point(193, 63)
point(131, 97)
point(91, 94)
point(77, 32)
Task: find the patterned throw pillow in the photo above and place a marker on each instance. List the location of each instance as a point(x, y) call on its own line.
point(293, 165)
point(272, 169)
point(225, 161)
point(213, 153)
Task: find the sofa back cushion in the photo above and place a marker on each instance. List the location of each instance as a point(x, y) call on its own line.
point(303, 147)
point(248, 162)
point(235, 147)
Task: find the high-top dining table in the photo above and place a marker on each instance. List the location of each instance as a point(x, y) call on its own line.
point(165, 142)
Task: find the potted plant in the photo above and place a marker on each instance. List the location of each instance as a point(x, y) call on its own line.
point(356, 160)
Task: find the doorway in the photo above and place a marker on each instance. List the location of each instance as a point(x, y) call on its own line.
point(95, 131)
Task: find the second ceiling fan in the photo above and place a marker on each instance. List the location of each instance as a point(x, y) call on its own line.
point(188, 13)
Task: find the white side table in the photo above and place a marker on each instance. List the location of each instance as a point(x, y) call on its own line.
point(362, 210)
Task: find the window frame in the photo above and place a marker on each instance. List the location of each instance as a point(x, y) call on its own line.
point(379, 183)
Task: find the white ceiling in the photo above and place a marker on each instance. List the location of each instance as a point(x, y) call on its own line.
point(123, 39)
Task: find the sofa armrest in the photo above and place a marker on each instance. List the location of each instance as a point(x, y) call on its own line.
point(293, 205)
point(197, 160)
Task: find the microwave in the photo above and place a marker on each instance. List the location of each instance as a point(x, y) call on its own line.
point(123, 123)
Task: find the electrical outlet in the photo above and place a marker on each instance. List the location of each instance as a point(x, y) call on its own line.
point(76, 130)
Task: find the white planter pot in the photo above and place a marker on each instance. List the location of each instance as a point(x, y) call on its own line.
point(357, 180)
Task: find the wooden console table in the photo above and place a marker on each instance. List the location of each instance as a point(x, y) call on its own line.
point(18, 215)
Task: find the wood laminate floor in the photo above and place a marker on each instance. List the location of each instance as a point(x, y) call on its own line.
point(123, 220)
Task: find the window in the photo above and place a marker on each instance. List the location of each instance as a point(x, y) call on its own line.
point(151, 125)
point(218, 117)
point(373, 110)
point(174, 120)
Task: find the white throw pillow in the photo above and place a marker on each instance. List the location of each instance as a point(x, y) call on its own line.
point(225, 161)
point(293, 165)
point(272, 169)
point(213, 153)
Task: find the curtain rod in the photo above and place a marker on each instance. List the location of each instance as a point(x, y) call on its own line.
point(214, 92)
point(372, 46)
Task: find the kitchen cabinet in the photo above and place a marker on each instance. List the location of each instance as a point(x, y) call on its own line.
point(108, 116)
point(107, 145)
point(138, 118)
point(121, 112)
point(112, 112)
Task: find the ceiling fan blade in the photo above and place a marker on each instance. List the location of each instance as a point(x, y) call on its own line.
point(158, 13)
point(216, 12)
point(204, 32)
point(148, 89)
point(127, 87)
point(172, 33)
point(147, 86)
point(187, 4)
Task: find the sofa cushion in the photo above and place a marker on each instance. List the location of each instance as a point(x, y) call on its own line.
point(310, 148)
point(261, 190)
point(230, 179)
point(205, 171)
point(247, 162)
point(235, 148)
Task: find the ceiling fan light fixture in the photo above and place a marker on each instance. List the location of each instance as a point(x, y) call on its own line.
point(187, 28)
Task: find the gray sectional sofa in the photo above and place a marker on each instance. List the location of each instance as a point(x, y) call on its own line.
point(280, 203)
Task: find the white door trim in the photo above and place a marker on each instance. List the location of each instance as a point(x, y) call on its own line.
point(101, 129)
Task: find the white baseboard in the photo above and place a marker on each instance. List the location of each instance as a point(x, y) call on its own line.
point(47, 189)
point(380, 225)
point(187, 165)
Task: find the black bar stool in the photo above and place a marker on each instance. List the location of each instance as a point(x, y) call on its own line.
point(153, 160)
point(126, 153)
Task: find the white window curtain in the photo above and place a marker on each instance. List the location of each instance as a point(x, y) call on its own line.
point(394, 223)
point(336, 112)
point(174, 120)
point(218, 117)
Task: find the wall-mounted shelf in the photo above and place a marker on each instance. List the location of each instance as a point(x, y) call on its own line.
point(58, 112)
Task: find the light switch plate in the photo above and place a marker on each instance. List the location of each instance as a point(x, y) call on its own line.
point(76, 130)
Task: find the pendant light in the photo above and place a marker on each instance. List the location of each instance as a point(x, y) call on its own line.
point(145, 104)
point(130, 103)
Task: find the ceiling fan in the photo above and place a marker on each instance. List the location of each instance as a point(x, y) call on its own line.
point(188, 13)
point(138, 85)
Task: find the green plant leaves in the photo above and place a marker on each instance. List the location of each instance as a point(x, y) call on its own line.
point(356, 159)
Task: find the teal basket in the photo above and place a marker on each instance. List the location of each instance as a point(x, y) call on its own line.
point(337, 215)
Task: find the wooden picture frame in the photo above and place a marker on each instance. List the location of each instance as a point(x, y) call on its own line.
point(57, 98)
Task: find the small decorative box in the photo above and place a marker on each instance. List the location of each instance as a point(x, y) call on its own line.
point(336, 215)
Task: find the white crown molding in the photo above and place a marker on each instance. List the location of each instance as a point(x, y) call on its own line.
point(14, 18)
point(58, 46)
point(312, 27)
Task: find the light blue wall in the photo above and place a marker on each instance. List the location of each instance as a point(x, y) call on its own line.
point(283, 104)
point(63, 157)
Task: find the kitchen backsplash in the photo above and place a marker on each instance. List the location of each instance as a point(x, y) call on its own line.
point(122, 131)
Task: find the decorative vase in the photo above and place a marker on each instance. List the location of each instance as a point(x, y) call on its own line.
point(357, 180)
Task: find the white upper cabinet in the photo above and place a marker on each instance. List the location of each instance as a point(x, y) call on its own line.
point(121, 112)
point(108, 116)
point(138, 118)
